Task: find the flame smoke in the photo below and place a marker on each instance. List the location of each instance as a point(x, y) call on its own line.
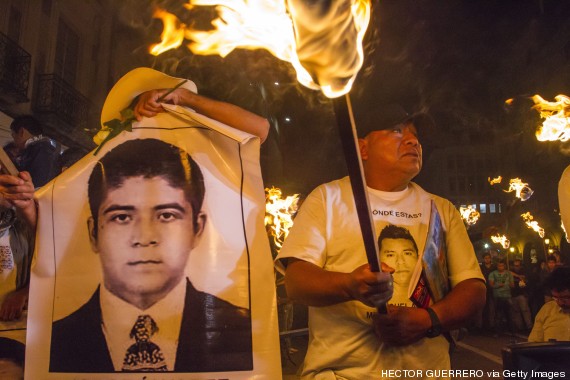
point(533, 224)
point(469, 215)
point(521, 189)
point(279, 214)
point(493, 181)
point(556, 125)
point(501, 239)
point(322, 39)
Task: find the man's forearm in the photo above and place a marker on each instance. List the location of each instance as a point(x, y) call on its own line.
point(227, 113)
point(462, 303)
point(311, 285)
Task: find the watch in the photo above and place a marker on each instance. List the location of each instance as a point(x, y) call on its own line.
point(436, 328)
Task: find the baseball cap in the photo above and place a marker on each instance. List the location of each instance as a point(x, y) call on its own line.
point(389, 115)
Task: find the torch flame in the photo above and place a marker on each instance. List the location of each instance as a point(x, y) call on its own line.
point(556, 125)
point(291, 30)
point(469, 214)
point(521, 189)
point(494, 181)
point(279, 214)
point(501, 239)
point(528, 218)
point(172, 35)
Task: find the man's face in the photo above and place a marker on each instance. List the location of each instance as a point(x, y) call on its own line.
point(394, 150)
point(501, 267)
point(145, 235)
point(487, 259)
point(401, 255)
point(562, 298)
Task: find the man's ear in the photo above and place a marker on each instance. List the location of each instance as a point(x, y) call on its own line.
point(92, 228)
point(363, 147)
point(200, 224)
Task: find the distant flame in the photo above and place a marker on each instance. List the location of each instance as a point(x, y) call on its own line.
point(323, 43)
point(521, 189)
point(279, 214)
point(469, 214)
point(494, 181)
point(501, 239)
point(528, 218)
point(556, 125)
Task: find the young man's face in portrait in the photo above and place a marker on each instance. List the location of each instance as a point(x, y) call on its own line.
point(401, 255)
point(144, 237)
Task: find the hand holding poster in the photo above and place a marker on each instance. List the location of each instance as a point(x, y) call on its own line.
point(151, 254)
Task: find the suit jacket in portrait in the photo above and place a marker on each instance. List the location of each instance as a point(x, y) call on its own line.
point(215, 336)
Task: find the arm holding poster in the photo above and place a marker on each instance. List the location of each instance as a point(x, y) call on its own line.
point(149, 105)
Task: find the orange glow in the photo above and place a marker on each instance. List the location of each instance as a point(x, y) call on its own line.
point(469, 214)
point(279, 214)
point(291, 30)
point(172, 34)
point(502, 240)
point(528, 219)
point(521, 189)
point(556, 126)
point(494, 181)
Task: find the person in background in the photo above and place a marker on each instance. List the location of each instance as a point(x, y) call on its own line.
point(486, 319)
point(545, 272)
point(553, 320)
point(501, 280)
point(521, 310)
point(68, 157)
point(18, 219)
point(39, 153)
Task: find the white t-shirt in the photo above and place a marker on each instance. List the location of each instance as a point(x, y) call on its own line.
point(326, 232)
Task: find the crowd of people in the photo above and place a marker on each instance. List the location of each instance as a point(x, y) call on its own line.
point(515, 293)
point(361, 322)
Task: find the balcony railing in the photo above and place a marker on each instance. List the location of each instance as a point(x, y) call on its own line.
point(55, 98)
point(15, 64)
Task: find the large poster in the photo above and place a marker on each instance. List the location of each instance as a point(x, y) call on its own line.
point(152, 257)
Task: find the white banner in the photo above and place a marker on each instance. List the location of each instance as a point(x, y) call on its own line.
point(129, 275)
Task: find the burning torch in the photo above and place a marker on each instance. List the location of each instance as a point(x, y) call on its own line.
point(301, 33)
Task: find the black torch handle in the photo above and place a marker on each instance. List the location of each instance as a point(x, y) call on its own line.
point(349, 138)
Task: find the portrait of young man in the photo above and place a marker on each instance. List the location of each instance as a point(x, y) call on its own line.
point(146, 315)
point(399, 251)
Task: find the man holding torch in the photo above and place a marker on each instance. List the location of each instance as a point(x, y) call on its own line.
point(326, 267)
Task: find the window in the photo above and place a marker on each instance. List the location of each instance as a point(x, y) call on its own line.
point(483, 208)
point(66, 53)
point(492, 208)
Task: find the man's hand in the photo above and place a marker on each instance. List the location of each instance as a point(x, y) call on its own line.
point(17, 191)
point(148, 105)
point(13, 305)
point(371, 288)
point(401, 325)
